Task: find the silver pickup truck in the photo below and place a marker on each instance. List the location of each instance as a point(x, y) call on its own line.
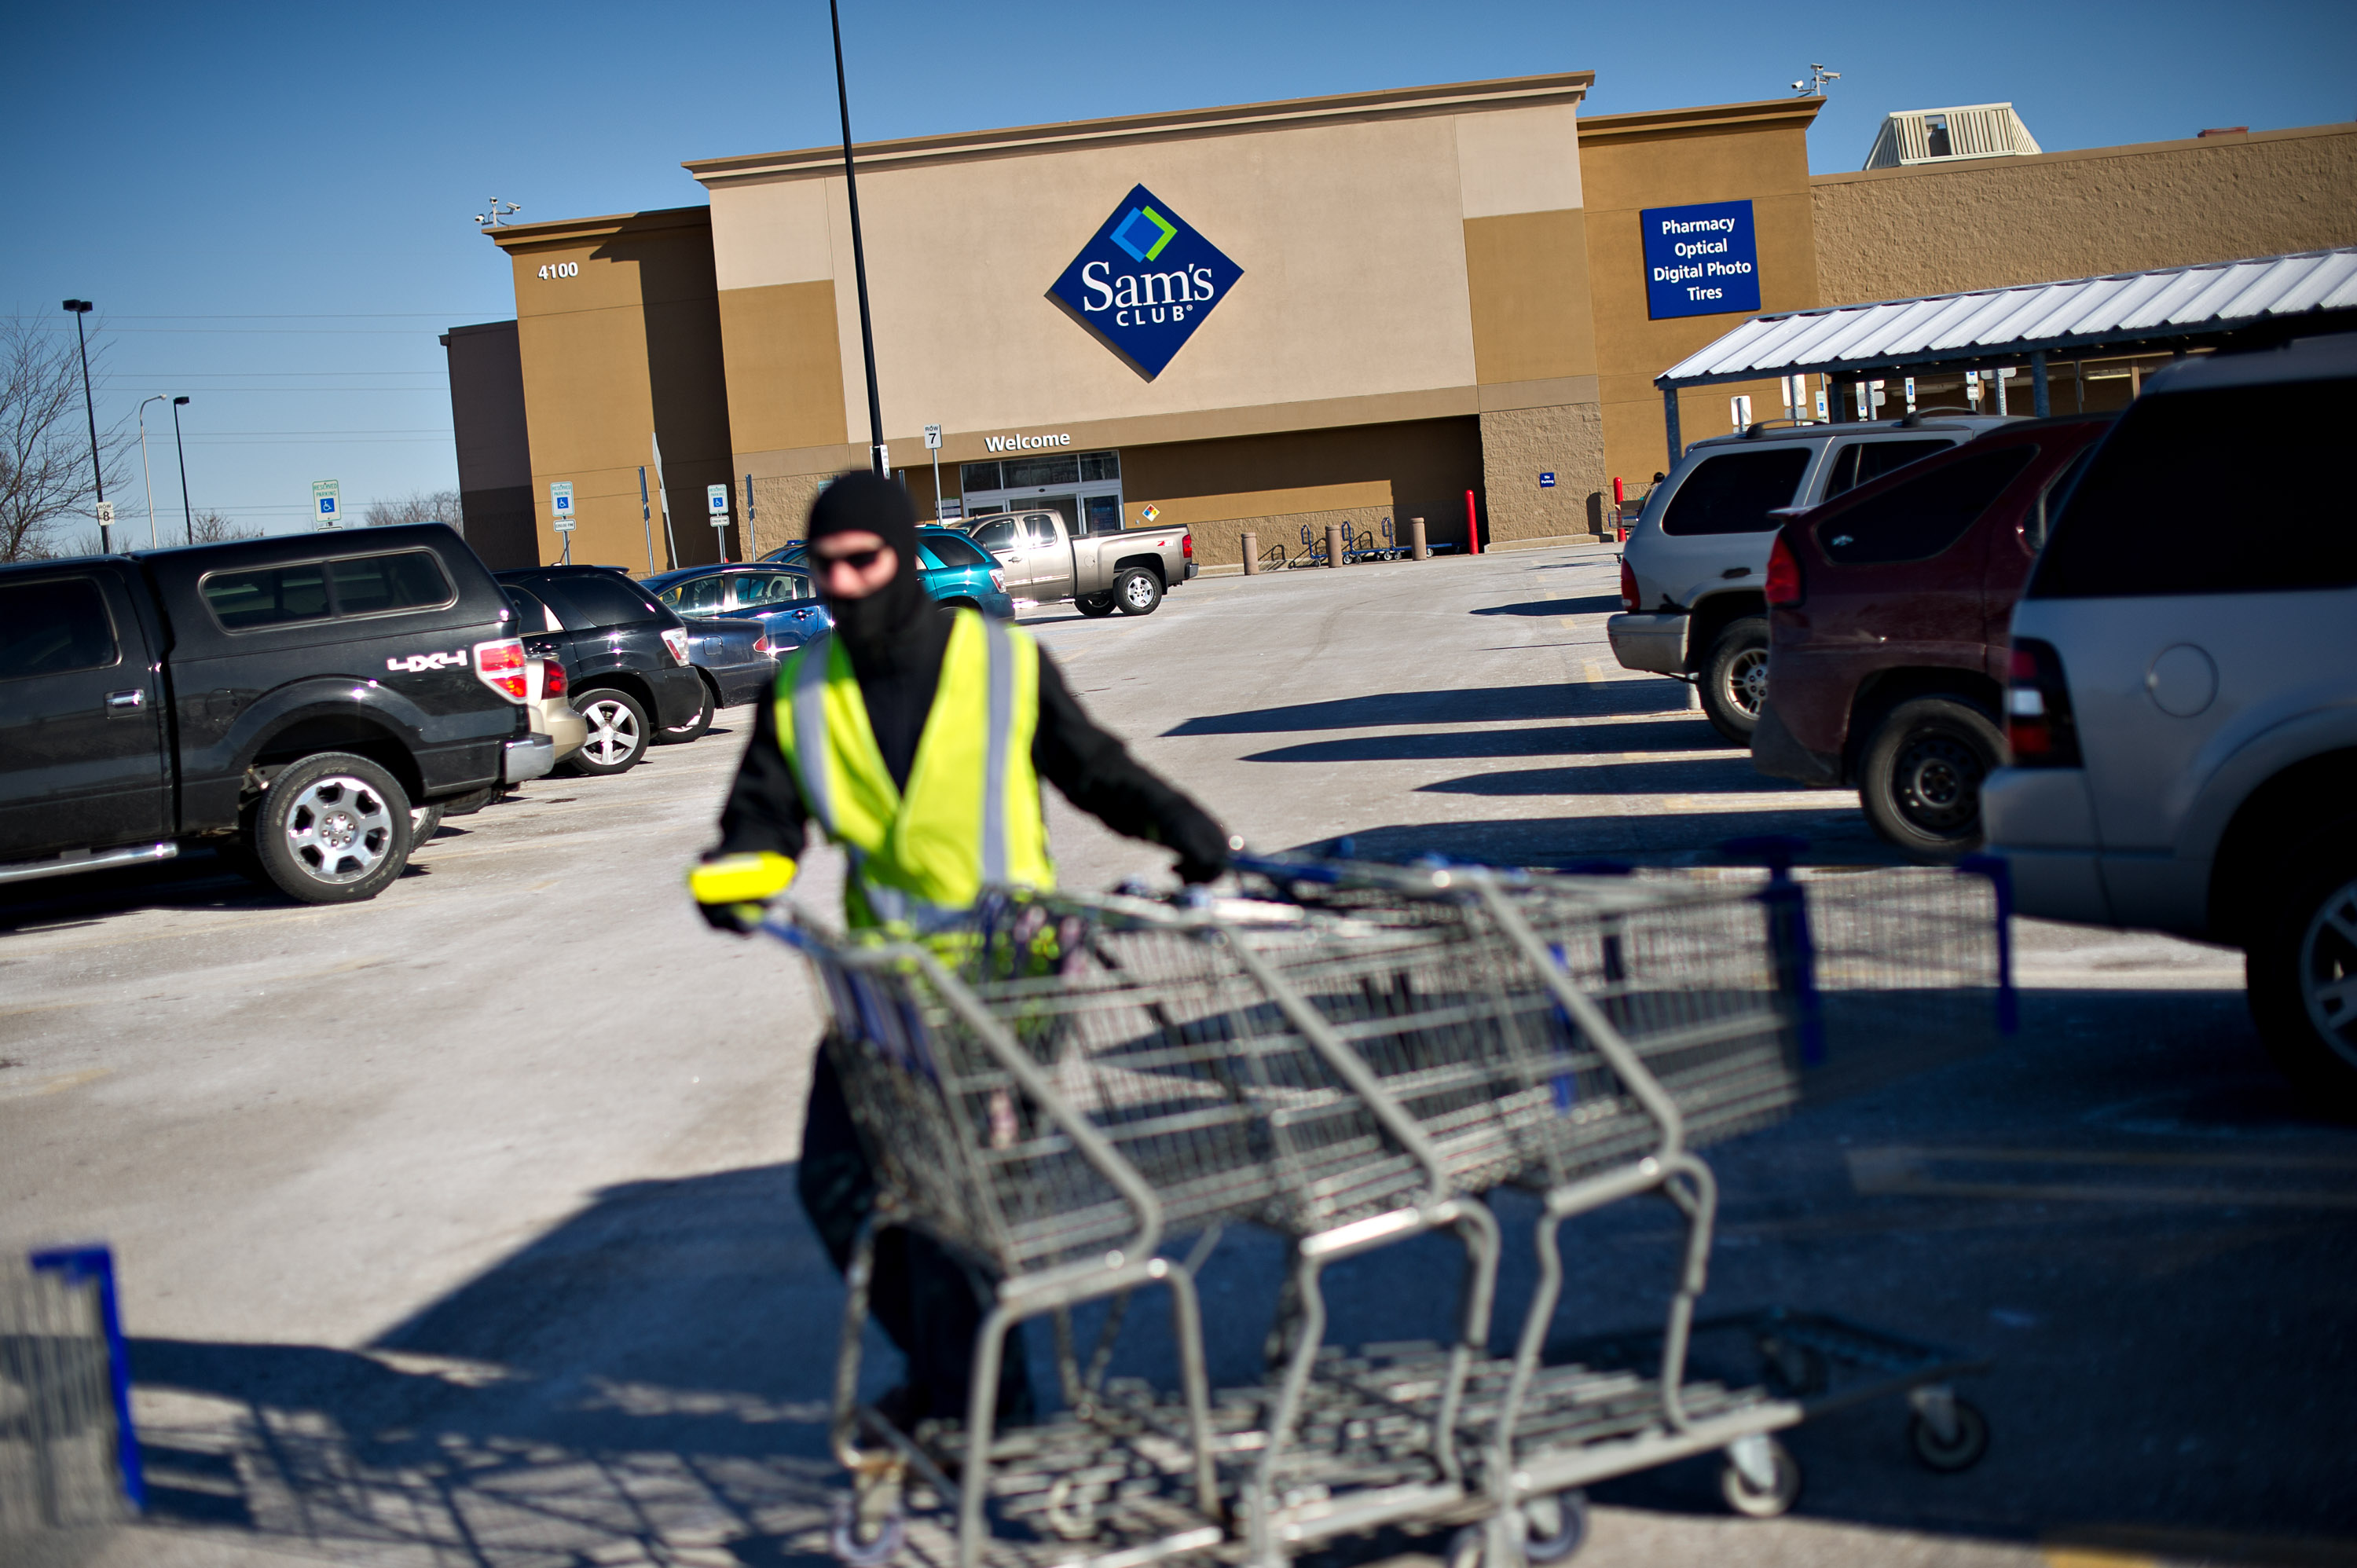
point(1100, 572)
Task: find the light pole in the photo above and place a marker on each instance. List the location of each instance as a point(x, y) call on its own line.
point(80, 308)
point(188, 518)
point(858, 255)
point(147, 473)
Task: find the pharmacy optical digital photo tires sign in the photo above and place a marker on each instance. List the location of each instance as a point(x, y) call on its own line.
point(1700, 260)
point(1145, 281)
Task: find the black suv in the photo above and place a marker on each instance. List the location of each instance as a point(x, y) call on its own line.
point(306, 704)
point(626, 656)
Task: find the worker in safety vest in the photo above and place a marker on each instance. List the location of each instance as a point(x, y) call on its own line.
point(915, 738)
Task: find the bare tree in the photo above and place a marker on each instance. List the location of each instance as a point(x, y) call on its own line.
point(209, 527)
point(45, 473)
point(422, 506)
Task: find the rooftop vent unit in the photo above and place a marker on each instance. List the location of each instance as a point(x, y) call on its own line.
point(1915, 136)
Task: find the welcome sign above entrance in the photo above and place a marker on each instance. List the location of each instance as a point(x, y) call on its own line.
point(1145, 281)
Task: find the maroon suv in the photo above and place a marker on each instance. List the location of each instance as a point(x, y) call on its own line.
point(1886, 621)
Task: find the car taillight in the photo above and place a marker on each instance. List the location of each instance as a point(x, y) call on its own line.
point(675, 638)
point(2038, 724)
point(998, 580)
point(1187, 546)
point(500, 666)
point(1784, 588)
point(1627, 588)
point(553, 680)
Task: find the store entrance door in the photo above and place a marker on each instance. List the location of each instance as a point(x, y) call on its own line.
point(1084, 489)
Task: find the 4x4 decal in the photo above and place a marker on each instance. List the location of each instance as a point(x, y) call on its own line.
point(418, 663)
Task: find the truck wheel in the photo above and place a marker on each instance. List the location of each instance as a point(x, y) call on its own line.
point(1138, 591)
point(333, 828)
point(1094, 604)
point(423, 821)
point(679, 734)
point(1920, 776)
point(2303, 973)
point(1734, 679)
point(617, 733)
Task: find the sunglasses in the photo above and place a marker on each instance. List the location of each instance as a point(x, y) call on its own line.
point(857, 560)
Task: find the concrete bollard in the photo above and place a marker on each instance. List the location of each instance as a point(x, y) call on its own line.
point(1333, 545)
point(1416, 549)
point(1251, 554)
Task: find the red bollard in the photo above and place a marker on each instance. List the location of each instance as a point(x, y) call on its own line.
point(1472, 527)
point(1619, 524)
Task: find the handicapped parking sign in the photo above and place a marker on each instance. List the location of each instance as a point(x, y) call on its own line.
point(327, 502)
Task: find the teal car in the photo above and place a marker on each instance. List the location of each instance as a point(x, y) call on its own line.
point(956, 571)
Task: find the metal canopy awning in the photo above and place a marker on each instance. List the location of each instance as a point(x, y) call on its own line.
point(2168, 307)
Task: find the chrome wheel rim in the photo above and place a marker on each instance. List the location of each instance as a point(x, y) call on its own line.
point(338, 829)
point(1747, 680)
point(1139, 591)
point(613, 732)
point(2328, 971)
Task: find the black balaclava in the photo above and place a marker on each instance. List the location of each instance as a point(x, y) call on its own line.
point(876, 631)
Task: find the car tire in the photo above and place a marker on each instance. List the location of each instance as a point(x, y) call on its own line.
point(423, 821)
point(679, 734)
point(1094, 604)
point(1734, 679)
point(2302, 969)
point(1137, 591)
point(617, 733)
point(332, 829)
point(1920, 776)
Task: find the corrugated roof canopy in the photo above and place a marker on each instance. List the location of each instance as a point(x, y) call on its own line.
point(2167, 305)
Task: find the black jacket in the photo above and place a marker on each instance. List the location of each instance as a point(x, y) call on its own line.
point(765, 810)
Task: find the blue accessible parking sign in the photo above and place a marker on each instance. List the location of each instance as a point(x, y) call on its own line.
point(1700, 260)
point(1145, 281)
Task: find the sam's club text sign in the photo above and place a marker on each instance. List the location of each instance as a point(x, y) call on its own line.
point(1145, 281)
point(1700, 260)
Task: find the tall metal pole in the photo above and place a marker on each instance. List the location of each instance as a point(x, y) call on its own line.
point(146, 472)
point(186, 517)
point(858, 255)
point(80, 308)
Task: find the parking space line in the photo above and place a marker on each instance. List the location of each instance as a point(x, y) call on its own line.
point(1900, 1171)
point(57, 1085)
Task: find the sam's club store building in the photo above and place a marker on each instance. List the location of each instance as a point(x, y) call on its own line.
point(1255, 319)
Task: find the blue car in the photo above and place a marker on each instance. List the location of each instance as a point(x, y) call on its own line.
point(779, 598)
point(956, 571)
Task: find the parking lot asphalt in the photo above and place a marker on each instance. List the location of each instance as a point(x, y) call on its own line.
point(459, 1227)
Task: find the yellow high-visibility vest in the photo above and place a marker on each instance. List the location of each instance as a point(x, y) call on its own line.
point(971, 816)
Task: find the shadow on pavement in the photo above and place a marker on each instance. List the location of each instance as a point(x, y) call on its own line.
point(1481, 704)
point(2122, 1205)
point(1727, 774)
point(1591, 605)
point(1559, 740)
point(1835, 836)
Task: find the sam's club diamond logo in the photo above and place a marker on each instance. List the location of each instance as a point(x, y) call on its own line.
point(1145, 281)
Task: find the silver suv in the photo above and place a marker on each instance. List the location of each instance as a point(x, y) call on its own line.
point(1691, 574)
point(2183, 715)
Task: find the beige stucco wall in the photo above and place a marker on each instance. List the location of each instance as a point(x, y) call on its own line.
point(1895, 233)
point(1400, 255)
point(613, 355)
point(1755, 152)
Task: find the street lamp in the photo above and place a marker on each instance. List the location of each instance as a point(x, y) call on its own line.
point(187, 518)
point(80, 308)
point(858, 255)
point(147, 473)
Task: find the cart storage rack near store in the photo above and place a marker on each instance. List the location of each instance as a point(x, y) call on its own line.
point(1058, 1086)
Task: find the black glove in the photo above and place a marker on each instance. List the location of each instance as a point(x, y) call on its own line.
point(736, 919)
point(1202, 845)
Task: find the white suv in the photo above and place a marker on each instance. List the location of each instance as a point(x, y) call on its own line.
point(2183, 711)
point(1692, 574)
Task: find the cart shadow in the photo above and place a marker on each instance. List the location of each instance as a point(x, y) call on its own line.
point(1479, 704)
point(651, 1374)
point(1553, 740)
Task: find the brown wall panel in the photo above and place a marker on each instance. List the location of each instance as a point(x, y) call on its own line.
point(785, 366)
point(1526, 278)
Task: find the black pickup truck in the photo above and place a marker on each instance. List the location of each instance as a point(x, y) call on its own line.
point(308, 705)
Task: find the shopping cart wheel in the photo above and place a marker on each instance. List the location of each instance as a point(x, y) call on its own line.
point(1761, 1478)
point(1792, 1371)
point(1968, 1436)
point(1555, 1527)
point(891, 1532)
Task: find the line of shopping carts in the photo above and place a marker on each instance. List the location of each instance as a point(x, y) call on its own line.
point(1066, 1088)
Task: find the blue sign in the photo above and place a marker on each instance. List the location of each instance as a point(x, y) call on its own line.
point(1145, 281)
point(1700, 260)
point(1547, 481)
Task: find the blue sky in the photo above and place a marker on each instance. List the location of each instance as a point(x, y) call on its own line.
point(271, 204)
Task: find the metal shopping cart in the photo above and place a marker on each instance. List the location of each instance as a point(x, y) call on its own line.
point(1060, 1085)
